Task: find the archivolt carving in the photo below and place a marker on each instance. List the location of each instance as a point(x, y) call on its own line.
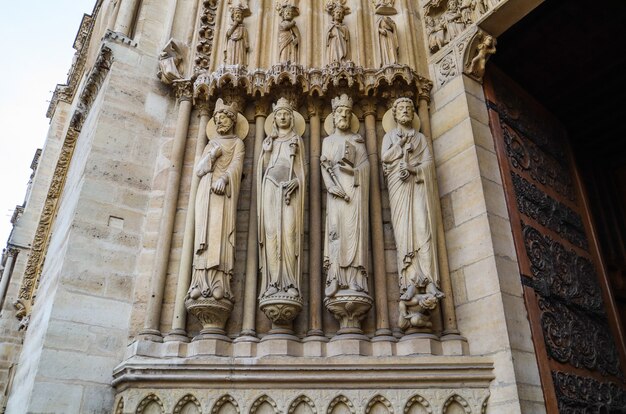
point(30, 281)
point(459, 400)
point(226, 399)
point(120, 406)
point(379, 399)
point(150, 398)
point(263, 399)
point(340, 399)
point(187, 399)
point(206, 35)
point(417, 400)
point(303, 399)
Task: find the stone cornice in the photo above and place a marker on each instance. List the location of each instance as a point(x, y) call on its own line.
point(65, 92)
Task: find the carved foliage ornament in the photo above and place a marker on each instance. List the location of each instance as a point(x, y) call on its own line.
point(30, 281)
point(206, 35)
point(587, 395)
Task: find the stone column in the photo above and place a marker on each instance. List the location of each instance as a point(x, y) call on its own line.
point(314, 108)
point(376, 221)
point(166, 226)
point(447, 303)
point(125, 17)
point(248, 327)
point(6, 273)
point(179, 320)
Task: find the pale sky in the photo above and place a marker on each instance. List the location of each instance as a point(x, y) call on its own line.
point(37, 54)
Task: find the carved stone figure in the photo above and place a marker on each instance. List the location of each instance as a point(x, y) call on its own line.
point(453, 20)
point(337, 35)
point(345, 171)
point(280, 199)
point(170, 61)
point(384, 7)
point(466, 7)
point(436, 34)
point(484, 50)
point(388, 38)
point(289, 34)
point(219, 169)
point(410, 172)
point(479, 7)
point(237, 43)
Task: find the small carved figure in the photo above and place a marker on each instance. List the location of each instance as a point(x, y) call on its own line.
point(384, 7)
point(170, 60)
point(237, 44)
point(479, 7)
point(345, 170)
point(454, 22)
point(337, 35)
point(492, 3)
point(289, 34)
point(281, 189)
point(410, 172)
point(219, 170)
point(436, 34)
point(388, 37)
point(485, 49)
point(466, 11)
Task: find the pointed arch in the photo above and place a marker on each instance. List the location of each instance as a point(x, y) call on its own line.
point(417, 400)
point(146, 405)
point(458, 400)
point(262, 400)
point(223, 401)
point(119, 408)
point(183, 402)
point(302, 399)
point(378, 399)
point(338, 400)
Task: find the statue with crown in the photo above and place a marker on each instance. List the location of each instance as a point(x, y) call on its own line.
point(210, 297)
point(281, 186)
point(345, 171)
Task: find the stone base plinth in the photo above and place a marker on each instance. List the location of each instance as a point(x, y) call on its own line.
point(281, 310)
point(349, 307)
point(212, 313)
point(417, 344)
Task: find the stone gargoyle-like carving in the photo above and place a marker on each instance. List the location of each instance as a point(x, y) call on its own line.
point(345, 170)
point(170, 62)
point(210, 298)
point(410, 172)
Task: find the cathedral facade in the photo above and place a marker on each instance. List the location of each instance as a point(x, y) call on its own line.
point(338, 206)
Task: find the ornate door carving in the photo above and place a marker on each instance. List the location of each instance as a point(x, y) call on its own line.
point(574, 325)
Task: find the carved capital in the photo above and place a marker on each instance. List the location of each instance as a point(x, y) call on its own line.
point(368, 105)
point(423, 91)
point(261, 108)
point(11, 251)
point(204, 108)
point(314, 107)
point(183, 89)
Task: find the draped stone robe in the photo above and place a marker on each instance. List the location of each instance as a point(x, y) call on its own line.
point(412, 203)
point(346, 239)
point(338, 42)
point(237, 45)
point(288, 41)
point(388, 40)
point(281, 225)
point(214, 244)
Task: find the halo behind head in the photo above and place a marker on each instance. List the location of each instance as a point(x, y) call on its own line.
point(241, 127)
point(299, 124)
point(329, 124)
point(389, 122)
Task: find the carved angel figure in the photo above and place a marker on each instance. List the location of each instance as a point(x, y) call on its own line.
point(410, 172)
point(345, 170)
point(281, 188)
point(170, 60)
point(237, 43)
point(337, 35)
point(289, 34)
point(453, 20)
point(219, 170)
point(388, 38)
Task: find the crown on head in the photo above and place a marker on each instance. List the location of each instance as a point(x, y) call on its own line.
point(285, 4)
point(230, 110)
point(343, 100)
point(282, 103)
point(331, 5)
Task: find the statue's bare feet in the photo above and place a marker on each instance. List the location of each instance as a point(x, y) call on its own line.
point(293, 292)
point(270, 291)
point(195, 293)
point(332, 288)
point(218, 293)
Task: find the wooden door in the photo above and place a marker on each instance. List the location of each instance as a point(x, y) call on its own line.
point(576, 331)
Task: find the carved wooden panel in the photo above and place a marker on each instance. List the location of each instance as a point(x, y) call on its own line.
point(572, 316)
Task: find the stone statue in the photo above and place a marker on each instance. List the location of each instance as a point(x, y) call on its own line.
point(281, 186)
point(479, 8)
point(289, 34)
point(388, 38)
point(219, 169)
point(486, 47)
point(453, 20)
point(237, 44)
point(466, 7)
point(345, 171)
point(436, 34)
point(337, 35)
point(170, 60)
point(410, 172)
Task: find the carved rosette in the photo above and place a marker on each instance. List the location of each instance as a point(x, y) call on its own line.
point(349, 308)
point(281, 310)
point(212, 313)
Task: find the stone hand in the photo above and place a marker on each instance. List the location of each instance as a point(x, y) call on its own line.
point(290, 187)
point(346, 168)
point(338, 192)
point(404, 171)
point(215, 153)
point(267, 144)
point(219, 186)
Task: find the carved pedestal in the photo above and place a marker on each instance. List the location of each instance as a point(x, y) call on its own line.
point(415, 312)
point(212, 313)
point(349, 307)
point(281, 310)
